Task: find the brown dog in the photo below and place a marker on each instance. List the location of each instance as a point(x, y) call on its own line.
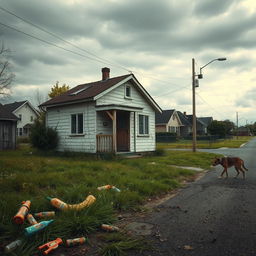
point(227, 162)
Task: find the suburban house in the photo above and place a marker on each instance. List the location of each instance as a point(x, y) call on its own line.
point(111, 115)
point(186, 125)
point(206, 121)
point(8, 126)
point(168, 121)
point(26, 114)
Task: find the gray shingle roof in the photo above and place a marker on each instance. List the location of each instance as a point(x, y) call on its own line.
point(164, 117)
point(5, 114)
point(184, 120)
point(13, 106)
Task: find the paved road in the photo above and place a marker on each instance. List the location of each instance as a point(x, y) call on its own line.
point(211, 216)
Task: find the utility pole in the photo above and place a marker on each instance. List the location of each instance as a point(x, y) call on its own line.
point(194, 105)
point(237, 125)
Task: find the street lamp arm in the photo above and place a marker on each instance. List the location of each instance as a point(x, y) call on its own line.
point(218, 59)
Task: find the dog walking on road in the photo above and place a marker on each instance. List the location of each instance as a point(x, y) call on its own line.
point(227, 162)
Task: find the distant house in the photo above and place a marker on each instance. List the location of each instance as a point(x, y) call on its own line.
point(206, 121)
point(26, 114)
point(8, 125)
point(111, 115)
point(243, 131)
point(168, 121)
point(186, 125)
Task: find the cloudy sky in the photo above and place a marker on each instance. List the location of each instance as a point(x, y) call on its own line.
point(71, 40)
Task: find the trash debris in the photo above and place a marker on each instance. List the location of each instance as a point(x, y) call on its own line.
point(13, 245)
point(110, 228)
point(45, 214)
point(75, 241)
point(63, 206)
point(52, 245)
point(107, 187)
point(31, 219)
point(188, 247)
point(21, 214)
point(37, 227)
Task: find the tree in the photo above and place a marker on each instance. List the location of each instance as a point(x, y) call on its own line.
point(6, 77)
point(217, 128)
point(229, 127)
point(58, 90)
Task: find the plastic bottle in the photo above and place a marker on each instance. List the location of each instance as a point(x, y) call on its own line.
point(88, 201)
point(37, 227)
point(21, 214)
point(75, 241)
point(109, 228)
point(13, 245)
point(31, 219)
point(45, 214)
point(52, 245)
point(57, 203)
point(105, 187)
point(116, 189)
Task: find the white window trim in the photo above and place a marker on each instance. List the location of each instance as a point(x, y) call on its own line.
point(125, 96)
point(76, 134)
point(144, 127)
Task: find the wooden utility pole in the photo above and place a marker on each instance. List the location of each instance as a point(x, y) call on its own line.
point(194, 105)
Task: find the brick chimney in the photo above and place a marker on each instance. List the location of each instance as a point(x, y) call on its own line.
point(105, 73)
point(184, 113)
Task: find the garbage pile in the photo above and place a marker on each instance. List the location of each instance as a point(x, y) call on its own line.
point(24, 214)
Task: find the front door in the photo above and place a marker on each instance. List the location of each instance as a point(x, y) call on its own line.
point(123, 131)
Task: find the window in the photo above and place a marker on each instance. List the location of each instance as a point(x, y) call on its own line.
point(31, 118)
point(77, 124)
point(143, 125)
point(20, 131)
point(128, 91)
point(20, 117)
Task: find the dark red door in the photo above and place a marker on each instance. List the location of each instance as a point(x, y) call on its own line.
point(123, 131)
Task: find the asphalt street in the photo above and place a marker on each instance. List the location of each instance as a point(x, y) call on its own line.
point(211, 216)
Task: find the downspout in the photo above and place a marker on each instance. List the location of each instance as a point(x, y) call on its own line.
point(134, 116)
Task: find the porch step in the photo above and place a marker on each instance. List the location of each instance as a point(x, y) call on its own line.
point(130, 155)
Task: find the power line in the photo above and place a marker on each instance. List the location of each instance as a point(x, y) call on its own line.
point(102, 60)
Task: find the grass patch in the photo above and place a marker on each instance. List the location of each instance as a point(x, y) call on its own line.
point(28, 175)
point(230, 143)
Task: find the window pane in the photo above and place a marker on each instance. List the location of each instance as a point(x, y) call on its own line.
point(128, 91)
point(80, 123)
point(146, 124)
point(141, 124)
point(73, 123)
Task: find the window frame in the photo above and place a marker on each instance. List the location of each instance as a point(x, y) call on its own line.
point(145, 125)
point(76, 129)
point(125, 91)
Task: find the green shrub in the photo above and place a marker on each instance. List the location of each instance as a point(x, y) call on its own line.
point(42, 137)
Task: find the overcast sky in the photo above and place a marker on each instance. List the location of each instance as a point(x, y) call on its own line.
point(155, 39)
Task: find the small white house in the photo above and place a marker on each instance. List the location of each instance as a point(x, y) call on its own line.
point(168, 121)
point(111, 115)
point(26, 114)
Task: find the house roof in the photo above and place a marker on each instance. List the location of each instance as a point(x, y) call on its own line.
point(15, 105)
point(190, 119)
point(184, 120)
point(87, 91)
point(94, 90)
point(5, 114)
point(206, 120)
point(164, 117)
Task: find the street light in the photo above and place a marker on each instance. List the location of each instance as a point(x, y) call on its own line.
point(194, 84)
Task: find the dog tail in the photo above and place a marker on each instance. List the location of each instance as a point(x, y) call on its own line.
point(244, 167)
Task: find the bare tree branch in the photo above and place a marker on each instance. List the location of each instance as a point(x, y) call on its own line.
point(6, 76)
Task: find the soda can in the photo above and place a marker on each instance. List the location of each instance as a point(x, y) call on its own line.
point(12, 246)
point(31, 219)
point(109, 228)
point(75, 241)
point(45, 214)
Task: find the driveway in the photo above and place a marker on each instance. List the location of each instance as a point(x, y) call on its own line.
point(210, 216)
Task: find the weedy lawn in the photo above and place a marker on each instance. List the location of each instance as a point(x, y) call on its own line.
point(28, 175)
point(235, 142)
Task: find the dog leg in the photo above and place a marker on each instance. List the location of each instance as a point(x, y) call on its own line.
point(243, 172)
point(237, 172)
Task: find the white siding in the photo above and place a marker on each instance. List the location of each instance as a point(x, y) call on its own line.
point(117, 96)
point(60, 118)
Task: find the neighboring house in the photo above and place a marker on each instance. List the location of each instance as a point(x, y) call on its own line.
point(200, 126)
point(206, 121)
point(186, 125)
point(243, 131)
point(112, 115)
point(168, 121)
point(26, 114)
point(8, 125)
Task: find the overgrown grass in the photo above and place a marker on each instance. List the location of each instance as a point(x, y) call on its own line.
point(230, 143)
point(28, 175)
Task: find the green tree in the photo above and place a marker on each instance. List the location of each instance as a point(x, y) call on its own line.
point(229, 126)
point(57, 90)
point(217, 128)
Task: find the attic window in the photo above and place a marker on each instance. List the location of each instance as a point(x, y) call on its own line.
point(80, 90)
point(128, 91)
